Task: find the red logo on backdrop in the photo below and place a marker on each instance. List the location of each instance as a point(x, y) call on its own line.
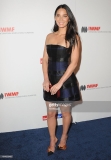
point(89, 86)
point(41, 60)
point(11, 94)
point(92, 85)
point(93, 28)
point(90, 28)
point(8, 94)
point(7, 29)
point(44, 118)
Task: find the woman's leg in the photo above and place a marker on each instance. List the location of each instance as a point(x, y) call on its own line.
point(66, 118)
point(51, 122)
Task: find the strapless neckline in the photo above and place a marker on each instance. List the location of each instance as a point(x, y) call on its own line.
point(56, 45)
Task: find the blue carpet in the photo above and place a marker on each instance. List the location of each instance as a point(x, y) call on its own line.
point(89, 140)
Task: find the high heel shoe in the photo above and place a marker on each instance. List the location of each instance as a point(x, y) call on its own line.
point(50, 152)
point(59, 147)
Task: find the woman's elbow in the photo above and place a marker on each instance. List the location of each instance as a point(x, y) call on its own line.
point(44, 61)
point(74, 65)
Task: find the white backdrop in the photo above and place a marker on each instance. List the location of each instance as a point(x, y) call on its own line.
point(24, 25)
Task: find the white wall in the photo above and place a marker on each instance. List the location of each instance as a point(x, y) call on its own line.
point(21, 50)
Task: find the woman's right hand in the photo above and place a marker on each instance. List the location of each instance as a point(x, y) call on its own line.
point(46, 84)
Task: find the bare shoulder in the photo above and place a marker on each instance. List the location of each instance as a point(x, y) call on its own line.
point(77, 37)
point(77, 45)
point(78, 40)
point(49, 36)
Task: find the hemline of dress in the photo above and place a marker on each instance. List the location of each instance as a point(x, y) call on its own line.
point(71, 100)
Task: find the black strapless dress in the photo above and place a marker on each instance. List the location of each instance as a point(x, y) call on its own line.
point(57, 65)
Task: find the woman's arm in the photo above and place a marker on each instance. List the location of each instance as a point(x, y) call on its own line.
point(45, 64)
point(45, 68)
point(75, 55)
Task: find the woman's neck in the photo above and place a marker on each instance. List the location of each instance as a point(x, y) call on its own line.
point(62, 31)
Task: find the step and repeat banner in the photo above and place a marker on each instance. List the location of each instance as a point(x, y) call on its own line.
point(24, 25)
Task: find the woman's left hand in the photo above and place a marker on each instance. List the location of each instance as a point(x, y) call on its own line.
point(55, 88)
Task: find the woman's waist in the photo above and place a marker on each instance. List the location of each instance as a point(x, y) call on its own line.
point(58, 59)
point(57, 66)
point(56, 72)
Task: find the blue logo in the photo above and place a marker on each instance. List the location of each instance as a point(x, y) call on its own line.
point(59, 115)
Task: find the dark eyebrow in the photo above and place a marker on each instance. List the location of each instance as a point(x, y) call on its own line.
point(64, 14)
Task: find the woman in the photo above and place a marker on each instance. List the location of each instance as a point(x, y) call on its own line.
point(60, 58)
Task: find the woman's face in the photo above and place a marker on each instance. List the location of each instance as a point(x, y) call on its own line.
point(61, 18)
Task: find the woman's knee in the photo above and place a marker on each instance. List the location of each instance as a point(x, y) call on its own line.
point(51, 115)
point(66, 114)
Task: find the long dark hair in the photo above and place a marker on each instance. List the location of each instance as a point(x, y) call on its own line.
point(72, 29)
